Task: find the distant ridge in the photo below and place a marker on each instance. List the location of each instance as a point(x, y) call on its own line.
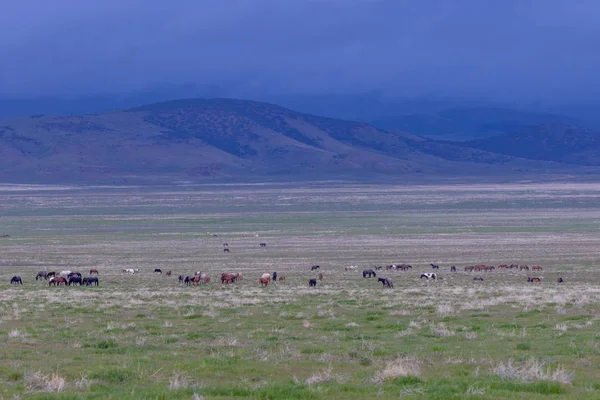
point(236, 140)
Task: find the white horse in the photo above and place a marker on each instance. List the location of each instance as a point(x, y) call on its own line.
point(128, 271)
point(65, 273)
point(266, 276)
point(429, 275)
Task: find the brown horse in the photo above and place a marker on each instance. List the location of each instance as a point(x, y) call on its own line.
point(537, 268)
point(239, 276)
point(282, 278)
point(320, 276)
point(93, 271)
point(194, 281)
point(56, 281)
point(263, 282)
point(535, 280)
point(228, 278)
point(524, 267)
point(168, 273)
point(206, 279)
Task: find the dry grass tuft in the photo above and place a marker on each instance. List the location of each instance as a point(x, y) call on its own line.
point(400, 367)
point(324, 376)
point(178, 380)
point(38, 381)
point(532, 370)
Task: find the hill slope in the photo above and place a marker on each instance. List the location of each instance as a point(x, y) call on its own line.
point(226, 139)
point(548, 142)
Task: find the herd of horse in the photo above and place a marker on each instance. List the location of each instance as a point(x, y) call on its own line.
point(386, 282)
point(69, 278)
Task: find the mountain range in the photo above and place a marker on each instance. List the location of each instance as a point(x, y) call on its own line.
point(237, 140)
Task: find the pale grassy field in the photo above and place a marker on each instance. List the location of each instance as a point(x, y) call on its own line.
point(146, 337)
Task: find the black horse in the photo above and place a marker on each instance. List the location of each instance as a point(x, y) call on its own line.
point(369, 273)
point(263, 245)
point(560, 280)
point(274, 276)
point(312, 282)
point(180, 279)
point(92, 280)
point(187, 281)
point(314, 268)
point(453, 269)
point(41, 274)
point(433, 266)
point(157, 270)
point(378, 267)
point(50, 274)
point(386, 282)
point(74, 275)
point(16, 280)
point(75, 280)
point(478, 278)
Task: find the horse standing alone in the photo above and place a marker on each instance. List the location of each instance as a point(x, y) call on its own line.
point(16, 280)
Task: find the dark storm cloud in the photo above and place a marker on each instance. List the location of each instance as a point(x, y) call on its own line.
point(508, 49)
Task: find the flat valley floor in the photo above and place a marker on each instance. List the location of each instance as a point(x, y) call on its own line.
point(145, 336)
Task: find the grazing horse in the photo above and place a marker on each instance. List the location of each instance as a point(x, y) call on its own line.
point(194, 281)
point(129, 271)
point(74, 275)
point(75, 280)
point(263, 244)
point(524, 268)
point(57, 280)
point(433, 266)
point(205, 279)
point(320, 276)
point(187, 281)
point(225, 244)
point(453, 268)
point(386, 282)
point(65, 273)
point(282, 278)
point(274, 275)
point(536, 280)
point(50, 274)
point(312, 282)
point(349, 267)
point(228, 278)
point(93, 271)
point(92, 280)
point(377, 267)
point(266, 275)
point(16, 280)
point(560, 280)
point(225, 250)
point(314, 267)
point(157, 271)
point(239, 276)
point(478, 278)
point(368, 273)
point(168, 273)
point(264, 282)
point(428, 275)
point(537, 268)
point(41, 274)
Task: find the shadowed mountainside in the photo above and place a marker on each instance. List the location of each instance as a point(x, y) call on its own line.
point(229, 139)
point(549, 142)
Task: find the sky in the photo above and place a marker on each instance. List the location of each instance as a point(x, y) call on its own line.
point(523, 50)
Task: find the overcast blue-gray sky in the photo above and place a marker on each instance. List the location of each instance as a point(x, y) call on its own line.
point(506, 49)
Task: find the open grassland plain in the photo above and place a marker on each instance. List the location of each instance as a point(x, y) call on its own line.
point(145, 336)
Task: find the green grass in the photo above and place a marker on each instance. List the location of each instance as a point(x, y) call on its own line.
point(145, 336)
